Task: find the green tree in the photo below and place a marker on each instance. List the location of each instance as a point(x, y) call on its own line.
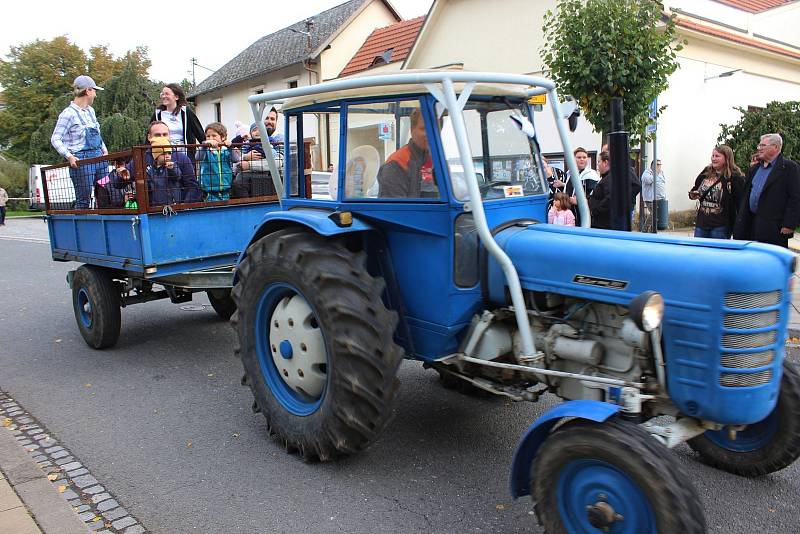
point(14, 179)
point(101, 64)
point(39, 149)
point(32, 77)
point(599, 49)
point(777, 117)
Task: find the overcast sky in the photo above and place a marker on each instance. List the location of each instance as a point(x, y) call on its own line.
point(173, 33)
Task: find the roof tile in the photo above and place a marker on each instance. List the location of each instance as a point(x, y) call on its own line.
point(728, 36)
point(755, 6)
point(399, 36)
point(280, 49)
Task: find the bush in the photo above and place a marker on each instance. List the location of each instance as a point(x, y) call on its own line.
point(777, 117)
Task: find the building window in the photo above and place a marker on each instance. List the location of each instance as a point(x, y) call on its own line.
point(217, 111)
point(292, 84)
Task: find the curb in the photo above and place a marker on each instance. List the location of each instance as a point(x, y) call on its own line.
point(51, 512)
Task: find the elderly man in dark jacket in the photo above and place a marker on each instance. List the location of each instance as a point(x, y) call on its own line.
point(770, 209)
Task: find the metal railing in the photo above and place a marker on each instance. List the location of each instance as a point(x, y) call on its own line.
point(148, 179)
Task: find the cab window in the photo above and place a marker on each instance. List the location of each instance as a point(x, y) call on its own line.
point(388, 154)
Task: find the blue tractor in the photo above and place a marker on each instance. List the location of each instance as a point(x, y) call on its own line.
point(429, 242)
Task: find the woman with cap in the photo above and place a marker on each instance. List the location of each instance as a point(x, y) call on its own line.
point(77, 136)
point(174, 111)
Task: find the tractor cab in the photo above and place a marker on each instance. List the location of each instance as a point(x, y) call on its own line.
point(396, 166)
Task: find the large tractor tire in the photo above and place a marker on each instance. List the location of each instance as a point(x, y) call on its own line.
point(222, 302)
point(612, 477)
point(96, 302)
point(316, 342)
point(761, 448)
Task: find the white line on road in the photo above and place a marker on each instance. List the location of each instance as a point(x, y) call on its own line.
point(26, 239)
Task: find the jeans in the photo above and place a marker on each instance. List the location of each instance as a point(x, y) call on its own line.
point(2, 214)
point(84, 177)
point(719, 232)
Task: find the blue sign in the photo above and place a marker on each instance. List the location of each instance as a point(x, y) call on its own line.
point(653, 109)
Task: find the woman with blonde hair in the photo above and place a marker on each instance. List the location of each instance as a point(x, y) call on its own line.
point(718, 190)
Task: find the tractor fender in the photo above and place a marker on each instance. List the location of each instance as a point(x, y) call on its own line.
point(521, 475)
point(316, 220)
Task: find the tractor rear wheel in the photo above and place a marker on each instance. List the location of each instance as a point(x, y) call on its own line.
point(612, 477)
point(316, 342)
point(763, 447)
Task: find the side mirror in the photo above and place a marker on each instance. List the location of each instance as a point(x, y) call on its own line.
point(570, 111)
point(525, 125)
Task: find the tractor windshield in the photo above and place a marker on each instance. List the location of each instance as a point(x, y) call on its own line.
point(502, 154)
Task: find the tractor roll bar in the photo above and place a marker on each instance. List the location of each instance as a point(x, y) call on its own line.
point(447, 96)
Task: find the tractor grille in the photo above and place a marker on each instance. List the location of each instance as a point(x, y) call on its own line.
point(751, 320)
point(748, 341)
point(755, 340)
point(738, 380)
point(752, 300)
point(748, 361)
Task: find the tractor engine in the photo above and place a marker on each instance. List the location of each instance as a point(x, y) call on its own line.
point(590, 339)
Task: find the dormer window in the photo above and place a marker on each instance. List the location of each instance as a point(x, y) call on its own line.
point(383, 59)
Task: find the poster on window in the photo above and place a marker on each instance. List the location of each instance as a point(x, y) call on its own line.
point(385, 131)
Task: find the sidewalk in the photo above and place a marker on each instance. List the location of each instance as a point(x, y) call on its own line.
point(29, 503)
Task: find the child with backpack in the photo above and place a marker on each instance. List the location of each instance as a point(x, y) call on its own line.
point(216, 160)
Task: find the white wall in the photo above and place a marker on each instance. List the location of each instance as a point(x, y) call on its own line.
point(233, 99)
point(346, 44)
point(689, 127)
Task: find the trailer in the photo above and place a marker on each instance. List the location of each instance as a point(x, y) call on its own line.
point(134, 249)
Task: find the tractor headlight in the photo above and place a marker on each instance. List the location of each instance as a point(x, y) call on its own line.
point(647, 310)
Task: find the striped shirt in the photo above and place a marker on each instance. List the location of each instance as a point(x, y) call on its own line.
point(69, 135)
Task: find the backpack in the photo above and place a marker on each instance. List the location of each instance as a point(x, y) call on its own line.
point(106, 196)
point(216, 175)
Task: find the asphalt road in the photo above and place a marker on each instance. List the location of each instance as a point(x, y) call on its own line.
point(163, 423)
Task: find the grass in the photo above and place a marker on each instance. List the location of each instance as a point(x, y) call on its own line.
point(23, 213)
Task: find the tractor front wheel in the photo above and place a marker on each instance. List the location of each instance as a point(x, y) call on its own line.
point(316, 342)
point(763, 447)
point(612, 477)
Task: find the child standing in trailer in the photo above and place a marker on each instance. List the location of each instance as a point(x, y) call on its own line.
point(561, 214)
point(216, 161)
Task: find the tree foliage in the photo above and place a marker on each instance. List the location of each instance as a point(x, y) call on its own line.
point(14, 177)
point(600, 49)
point(34, 75)
point(778, 117)
point(37, 80)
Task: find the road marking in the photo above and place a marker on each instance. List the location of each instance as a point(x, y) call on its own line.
point(25, 239)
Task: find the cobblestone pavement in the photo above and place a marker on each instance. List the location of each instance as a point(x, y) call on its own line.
point(95, 506)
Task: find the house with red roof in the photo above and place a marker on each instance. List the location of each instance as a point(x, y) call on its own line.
point(739, 53)
point(385, 49)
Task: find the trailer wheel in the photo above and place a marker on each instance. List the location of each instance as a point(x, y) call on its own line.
point(222, 302)
point(612, 477)
point(761, 448)
point(95, 301)
point(316, 342)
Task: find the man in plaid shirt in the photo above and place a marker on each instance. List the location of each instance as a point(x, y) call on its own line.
point(77, 136)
